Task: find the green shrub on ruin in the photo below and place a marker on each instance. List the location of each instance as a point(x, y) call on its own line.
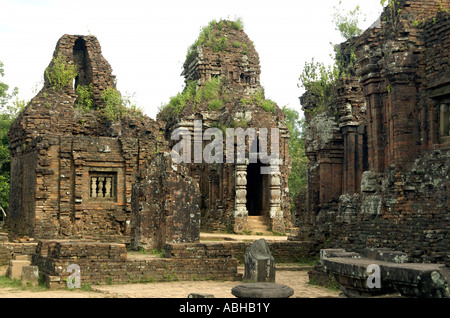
point(85, 98)
point(211, 35)
point(210, 93)
point(215, 104)
point(118, 106)
point(238, 24)
point(259, 100)
point(319, 80)
point(60, 73)
point(113, 104)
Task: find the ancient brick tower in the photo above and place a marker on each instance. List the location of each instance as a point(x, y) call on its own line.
point(379, 154)
point(223, 90)
point(76, 157)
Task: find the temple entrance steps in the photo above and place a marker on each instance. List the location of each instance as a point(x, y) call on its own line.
point(259, 224)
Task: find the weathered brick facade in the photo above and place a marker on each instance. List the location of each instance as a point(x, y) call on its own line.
point(77, 173)
point(233, 191)
point(378, 175)
point(73, 171)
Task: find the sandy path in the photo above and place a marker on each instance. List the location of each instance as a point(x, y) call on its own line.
point(295, 279)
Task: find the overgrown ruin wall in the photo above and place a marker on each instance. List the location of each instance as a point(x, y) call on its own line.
point(73, 169)
point(378, 175)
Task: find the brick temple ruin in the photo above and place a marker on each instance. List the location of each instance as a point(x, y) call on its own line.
point(77, 174)
point(378, 175)
point(234, 192)
point(84, 186)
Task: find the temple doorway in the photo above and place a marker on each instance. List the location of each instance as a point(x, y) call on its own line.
point(255, 189)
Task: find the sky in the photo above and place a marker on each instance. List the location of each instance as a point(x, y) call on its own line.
point(146, 41)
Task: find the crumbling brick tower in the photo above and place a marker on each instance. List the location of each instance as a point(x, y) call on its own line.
point(379, 155)
point(75, 156)
point(223, 90)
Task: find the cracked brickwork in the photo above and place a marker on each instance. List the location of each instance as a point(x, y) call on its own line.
point(378, 175)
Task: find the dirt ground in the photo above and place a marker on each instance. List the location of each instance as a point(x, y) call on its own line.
point(298, 280)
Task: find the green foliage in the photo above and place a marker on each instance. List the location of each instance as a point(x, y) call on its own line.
point(215, 104)
point(238, 24)
point(114, 108)
point(237, 44)
point(240, 123)
point(118, 106)
point(179, 101)
point(211, 36)
point(218, 44)
point(393, 10)
point(5, 97)
point(259, 100)
point(347, 23)
point(60, 73)
point(9, 109)
point(85, 99)
point(297, 179)
point(319, 80)
point(209, 93)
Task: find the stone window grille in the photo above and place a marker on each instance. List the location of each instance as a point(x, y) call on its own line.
point(444, 127)
point(102, 186)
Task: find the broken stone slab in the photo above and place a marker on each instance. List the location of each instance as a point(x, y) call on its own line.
point(408, 279)
point(259, 263)
point(30, 275)
point(384, 254)
point(337, 252)
point(14, 270)
point(262, 290)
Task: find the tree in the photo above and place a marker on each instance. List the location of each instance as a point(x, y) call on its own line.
point(347, 23)
point(10, 107)
point(319, 79)
point(299, 161)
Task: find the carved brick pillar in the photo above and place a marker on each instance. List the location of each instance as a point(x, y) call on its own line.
point(275, 212)
point(241, 212)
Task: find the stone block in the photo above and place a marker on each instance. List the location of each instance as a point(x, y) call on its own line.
point(384, 254)
point(259, 263)
point(337, 252)
point(30, 275)
point(262, 290)
point(22, 257)
point(14, 270)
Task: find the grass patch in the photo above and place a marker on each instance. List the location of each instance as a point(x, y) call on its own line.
point(331, 284)
point(16, 284)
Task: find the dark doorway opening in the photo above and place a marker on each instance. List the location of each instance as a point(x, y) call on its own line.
point(254, 189)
